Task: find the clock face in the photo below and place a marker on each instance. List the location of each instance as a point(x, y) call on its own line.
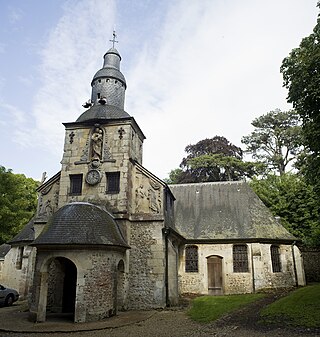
point(93, 177)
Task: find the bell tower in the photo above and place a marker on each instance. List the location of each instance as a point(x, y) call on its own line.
point(102, 143)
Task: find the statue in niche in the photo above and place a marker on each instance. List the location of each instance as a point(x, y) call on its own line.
point(96, 144)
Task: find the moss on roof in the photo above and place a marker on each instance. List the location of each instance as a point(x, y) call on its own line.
point(224, 210)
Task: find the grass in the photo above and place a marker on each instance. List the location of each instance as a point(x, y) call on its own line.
point(300, 308)
point(209, 308)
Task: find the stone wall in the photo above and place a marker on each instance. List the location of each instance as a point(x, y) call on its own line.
point(17, 271)
point(146, 266)
point(259, 276)
point(264, 277)
point(96, 283)
point(99, 289)
point(120, 142)
point(1, 268)
point(311, 260)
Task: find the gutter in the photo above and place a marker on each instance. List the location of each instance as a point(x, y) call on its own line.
point(166, 232)
point(294, 264)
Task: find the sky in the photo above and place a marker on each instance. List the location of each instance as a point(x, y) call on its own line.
point(194, 69)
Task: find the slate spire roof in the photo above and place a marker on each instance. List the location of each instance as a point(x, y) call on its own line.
point(108, 91)
point(103, 112)
point(111, 67)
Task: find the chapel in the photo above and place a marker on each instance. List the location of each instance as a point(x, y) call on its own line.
point(109, 235)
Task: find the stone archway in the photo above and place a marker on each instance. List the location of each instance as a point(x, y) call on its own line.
point(120, 285)
point(62, 282)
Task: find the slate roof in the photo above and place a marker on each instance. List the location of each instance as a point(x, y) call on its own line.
point(109, 72)
point(110, 69)
point(81, 223)
point(25, 235)
point(4, 249)
point(103, 112)
point(224, 211)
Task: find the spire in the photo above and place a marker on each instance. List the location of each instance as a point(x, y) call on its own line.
point(109, 84)
point(108, 90)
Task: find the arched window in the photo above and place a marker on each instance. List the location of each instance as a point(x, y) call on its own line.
point(121, 266)
point(191, 259)
point(240, 259)
point(275, 259)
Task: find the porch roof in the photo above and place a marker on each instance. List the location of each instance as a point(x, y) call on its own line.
point(81, 223)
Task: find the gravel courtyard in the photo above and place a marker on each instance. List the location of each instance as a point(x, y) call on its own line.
point(175, 322)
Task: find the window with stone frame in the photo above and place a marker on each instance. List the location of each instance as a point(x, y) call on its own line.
point(240, 259)
point(113, 182)
point(275, 259)
point(75, 184)
point(191, 259)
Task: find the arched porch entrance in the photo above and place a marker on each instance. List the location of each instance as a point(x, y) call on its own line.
point(120, 285)
point(62, 283)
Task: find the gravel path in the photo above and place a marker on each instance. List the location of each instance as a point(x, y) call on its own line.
point(175, 323)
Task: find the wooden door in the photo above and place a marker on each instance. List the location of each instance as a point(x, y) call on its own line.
point(214, 275)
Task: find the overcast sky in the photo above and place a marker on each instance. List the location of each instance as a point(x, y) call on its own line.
point(194, 69)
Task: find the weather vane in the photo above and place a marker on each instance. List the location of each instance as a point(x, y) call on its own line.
point(114, 38)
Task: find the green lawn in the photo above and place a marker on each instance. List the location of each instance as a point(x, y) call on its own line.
point(208, 308)
point(300, 308)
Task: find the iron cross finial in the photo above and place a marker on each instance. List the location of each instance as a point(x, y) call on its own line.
point(114, 38)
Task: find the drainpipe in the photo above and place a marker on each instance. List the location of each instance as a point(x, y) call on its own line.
point(252, 271)
point(294, 264)
point(166, 232)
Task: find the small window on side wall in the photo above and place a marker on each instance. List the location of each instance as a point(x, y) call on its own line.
point(113, 182)
point(240, 259)
point(75, 184)
point(192, 259)
point(275, 259)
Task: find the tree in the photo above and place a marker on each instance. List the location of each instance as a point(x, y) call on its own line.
point(276, 139)
point(214, 159)
point(18, 202)
point(301, 76)
point(291, 198)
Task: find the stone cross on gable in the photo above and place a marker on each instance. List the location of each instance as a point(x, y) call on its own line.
point(114, 39)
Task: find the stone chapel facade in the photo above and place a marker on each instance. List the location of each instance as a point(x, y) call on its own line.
point(109, 235)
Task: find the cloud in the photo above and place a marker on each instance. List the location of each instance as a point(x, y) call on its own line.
point(202, 68)
point(26, 80)
point(2, 48)
point(14, 14)
point(14, 119)
point(69, 61)
point(214, 68)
